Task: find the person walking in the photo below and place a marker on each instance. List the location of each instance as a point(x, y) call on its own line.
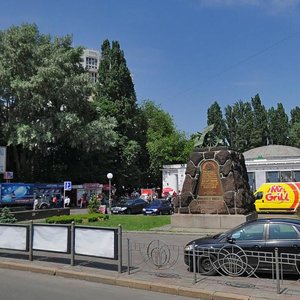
point(67, 201)
point(54, 201)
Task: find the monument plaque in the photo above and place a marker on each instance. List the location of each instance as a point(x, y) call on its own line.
point(210, 183)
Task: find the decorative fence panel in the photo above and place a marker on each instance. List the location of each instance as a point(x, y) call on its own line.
point(160, 259)
point(74, 240)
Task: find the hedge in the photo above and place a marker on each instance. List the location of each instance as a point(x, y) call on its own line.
point(78, 219)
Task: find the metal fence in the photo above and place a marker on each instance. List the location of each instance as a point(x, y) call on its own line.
point(173, 261)
point(67, 239)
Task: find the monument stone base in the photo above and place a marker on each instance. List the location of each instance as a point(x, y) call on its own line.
point(209, 221)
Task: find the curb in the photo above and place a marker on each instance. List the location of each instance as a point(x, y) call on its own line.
point(24, 267)
point(127, 282)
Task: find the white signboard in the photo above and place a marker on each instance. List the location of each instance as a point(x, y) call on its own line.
point(95, 242)
point(68, 186)
point(13, 237)
point(50, 238)
point(2, 159)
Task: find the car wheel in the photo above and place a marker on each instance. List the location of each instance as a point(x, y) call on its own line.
point(205, 266)
point(44, 206)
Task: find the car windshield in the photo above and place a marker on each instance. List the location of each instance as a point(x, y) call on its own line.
point(155, 202)
point(226, 233)
point(126, 202)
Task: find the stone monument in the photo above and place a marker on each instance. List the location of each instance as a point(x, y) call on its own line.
point(216, 184)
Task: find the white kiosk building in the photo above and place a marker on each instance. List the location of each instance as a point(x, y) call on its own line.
point(272, 163)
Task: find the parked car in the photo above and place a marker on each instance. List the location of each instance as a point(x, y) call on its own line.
point(130, 206)
point(254, 240)
point(158, 207)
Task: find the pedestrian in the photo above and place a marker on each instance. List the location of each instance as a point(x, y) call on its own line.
point(81, 201)
point(35, 204)
point(67, 201)
point(54, 200)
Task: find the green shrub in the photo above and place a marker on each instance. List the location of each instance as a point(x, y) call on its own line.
point(6, 216)
point(94, 205)
point(78, 219)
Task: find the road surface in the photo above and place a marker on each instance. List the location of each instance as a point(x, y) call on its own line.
point(16, 285)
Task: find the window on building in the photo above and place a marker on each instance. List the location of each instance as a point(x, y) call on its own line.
point(273, 176)
point(93, 76)
point(91, 63)
point(286, 176)
point(296, 176)
point(251, 181)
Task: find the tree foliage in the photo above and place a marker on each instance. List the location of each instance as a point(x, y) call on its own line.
point(250, 124)
point(44, 95)
point(259, 132)
point(165, 144)
point(116, 98)
point(278, 125)
point(215, 116)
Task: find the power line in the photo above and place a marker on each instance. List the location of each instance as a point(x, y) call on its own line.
point(241, 62)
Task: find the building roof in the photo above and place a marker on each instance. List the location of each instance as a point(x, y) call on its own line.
point(272, 152)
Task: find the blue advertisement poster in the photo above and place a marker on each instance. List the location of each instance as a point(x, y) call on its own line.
point(16, 193)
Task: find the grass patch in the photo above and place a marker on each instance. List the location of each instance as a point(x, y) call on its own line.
point(128, 223)
point(134, 223)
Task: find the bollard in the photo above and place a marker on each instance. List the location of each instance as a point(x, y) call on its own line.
point(30, 241)
point(194, 263)
point(128, 257)
point(72, 243)
point(277, 271)
point(120, 248)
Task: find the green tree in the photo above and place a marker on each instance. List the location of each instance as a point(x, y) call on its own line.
point(239, 125)
point(116, 98)
point(294, 131)
point(215, 116)
point(259, 131)
point(295, 115)
point(165, 144)
point(231, 125)
point(47, 114)
point(278, 125)
point(294, 135)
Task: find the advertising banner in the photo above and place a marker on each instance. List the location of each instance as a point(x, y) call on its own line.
point(2, 160)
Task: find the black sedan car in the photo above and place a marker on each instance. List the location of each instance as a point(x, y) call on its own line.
point(129, 206)
point(158, 207)
point(248, 248)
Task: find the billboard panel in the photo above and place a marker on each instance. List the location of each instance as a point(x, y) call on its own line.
point(2, 160)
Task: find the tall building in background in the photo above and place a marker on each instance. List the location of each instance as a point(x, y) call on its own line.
point(90, 61)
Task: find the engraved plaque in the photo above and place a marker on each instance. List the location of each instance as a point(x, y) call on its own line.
point(209, 182)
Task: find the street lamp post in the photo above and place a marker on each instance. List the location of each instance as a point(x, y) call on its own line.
point(109, 177)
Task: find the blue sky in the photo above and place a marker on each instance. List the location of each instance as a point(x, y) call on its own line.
point(185, 54)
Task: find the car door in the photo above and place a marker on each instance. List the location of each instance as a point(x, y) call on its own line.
point(252, 239)
point(166, 207)
point(134, 207)
point(139, 205)
point(285, 237)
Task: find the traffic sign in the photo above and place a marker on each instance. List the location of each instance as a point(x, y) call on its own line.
point(67, 185)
